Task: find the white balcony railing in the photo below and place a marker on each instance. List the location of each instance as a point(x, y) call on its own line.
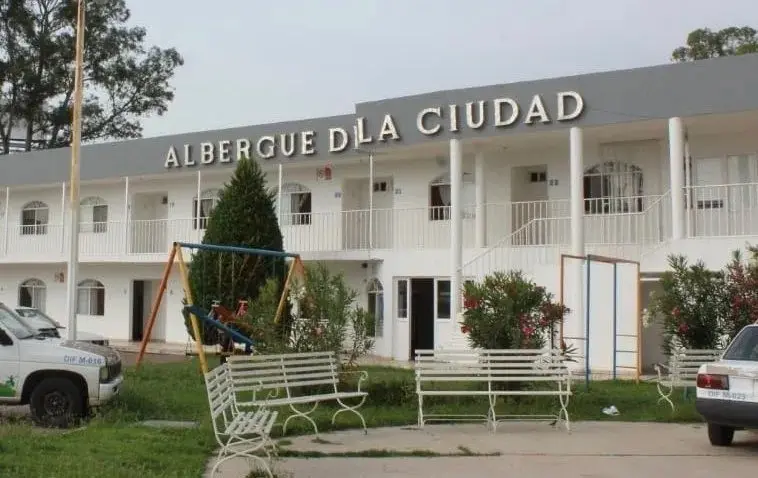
point(729, 210)
point(620, 228)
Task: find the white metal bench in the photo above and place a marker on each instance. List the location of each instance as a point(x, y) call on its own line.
point(264, 377)
point(681, 371)
point(240, 434)
point(438, 370)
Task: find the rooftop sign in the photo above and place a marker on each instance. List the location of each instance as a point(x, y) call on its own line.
point(474, 115)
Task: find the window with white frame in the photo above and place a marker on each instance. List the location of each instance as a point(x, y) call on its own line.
point(296, 205)
point(34, 218)
point(732, 179)
point(440, 198)
point(613, 187)
point(94, 215)
point(375, 293)
point(32, 293)
point(443, 298)
point(90, 298)
point(208, 200)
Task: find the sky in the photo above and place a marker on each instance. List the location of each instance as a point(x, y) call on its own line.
point(252, 61)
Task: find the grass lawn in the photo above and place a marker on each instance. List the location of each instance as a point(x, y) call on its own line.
point(113, 444)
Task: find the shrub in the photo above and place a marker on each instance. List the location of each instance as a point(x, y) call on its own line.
point(691, 305)
point(324, 317)
point(741, 278)
point(507, 311)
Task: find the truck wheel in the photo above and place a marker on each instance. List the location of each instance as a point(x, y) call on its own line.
point(57, 403)
point(720, 435)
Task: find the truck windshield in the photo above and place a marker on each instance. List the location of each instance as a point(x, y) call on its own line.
point(744, 346)
point(13, 323)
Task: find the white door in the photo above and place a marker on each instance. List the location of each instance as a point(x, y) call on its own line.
point(401, 335)
point(9, 359)
point(742, 355)
point(354, 214)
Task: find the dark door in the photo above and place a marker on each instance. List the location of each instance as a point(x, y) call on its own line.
point(138, 309)
point(422, 315)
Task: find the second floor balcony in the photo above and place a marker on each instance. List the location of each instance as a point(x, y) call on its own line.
point(713, 211)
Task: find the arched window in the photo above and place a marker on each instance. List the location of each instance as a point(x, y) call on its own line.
point(32, 293)
point(90, 298)
point(94, 215)
point(613, 187)
point(376, 305)
point(440, 200)
point(34, 218)
point(296, 205)
point(208, 200)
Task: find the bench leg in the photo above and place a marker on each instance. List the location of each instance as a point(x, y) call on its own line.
point(346, 408)
point(300, 414)
point(227, 453)
point(666, 394)
point(563, 414)
point(491, 415)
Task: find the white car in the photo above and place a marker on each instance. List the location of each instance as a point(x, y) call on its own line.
point(727, 390)
point(60, 380)
point(44, 324)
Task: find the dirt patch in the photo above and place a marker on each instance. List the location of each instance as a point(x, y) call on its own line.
point(130, 358)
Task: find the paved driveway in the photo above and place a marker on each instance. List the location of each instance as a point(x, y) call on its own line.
point(593, 449)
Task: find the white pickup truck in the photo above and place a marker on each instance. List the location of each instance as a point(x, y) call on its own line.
point(60, 380)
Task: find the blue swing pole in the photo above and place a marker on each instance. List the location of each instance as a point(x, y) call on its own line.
point(237, 249)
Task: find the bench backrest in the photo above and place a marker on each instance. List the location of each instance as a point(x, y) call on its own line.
point(490, 365)
point(684, 363)
point(218, 385)
point(271, 373)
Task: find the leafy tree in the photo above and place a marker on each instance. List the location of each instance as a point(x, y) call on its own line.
point(124, 80)
point(244, 216)
point(691, 305)
point(705, 43)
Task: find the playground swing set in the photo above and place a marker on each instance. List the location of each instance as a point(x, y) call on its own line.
point(226, 322)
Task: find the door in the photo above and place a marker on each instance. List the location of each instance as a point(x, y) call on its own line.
point(742, 358)
point(401, 331)
point(138, 308)
point(354, 214)
point(422, 315)
point(9, 359)
point(529, 210)
point(382, 213)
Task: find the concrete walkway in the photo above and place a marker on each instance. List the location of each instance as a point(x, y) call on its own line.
point(593, 449)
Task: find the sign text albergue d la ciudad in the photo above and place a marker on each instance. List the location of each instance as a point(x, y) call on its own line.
point(497, 113)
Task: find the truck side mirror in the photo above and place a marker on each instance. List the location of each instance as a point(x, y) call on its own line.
point(5, 340)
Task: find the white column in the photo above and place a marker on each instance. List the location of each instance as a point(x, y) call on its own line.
point(371, 200)
point(456, 229)
point(574, 269)
point(687, 186)
point(197, 206)
point(576, 190)
point(127, 219)
point(63, 217)
point(279, 195)
point(481, 199)
point(7, 211)
point(676, 171)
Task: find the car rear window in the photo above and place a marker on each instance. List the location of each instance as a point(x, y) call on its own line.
point(744, 346)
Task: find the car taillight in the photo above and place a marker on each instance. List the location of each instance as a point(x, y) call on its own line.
point(714, 382)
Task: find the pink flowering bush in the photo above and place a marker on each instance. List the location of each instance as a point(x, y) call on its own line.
point(691, 306)
point(507, 311)
point(741, 287)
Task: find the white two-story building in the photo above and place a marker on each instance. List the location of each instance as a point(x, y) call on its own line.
point(411, 196)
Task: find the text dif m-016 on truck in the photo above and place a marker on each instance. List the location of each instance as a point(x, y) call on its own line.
point(61, 380)
point(727, 390)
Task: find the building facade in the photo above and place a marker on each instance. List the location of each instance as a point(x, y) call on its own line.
point(411, 196)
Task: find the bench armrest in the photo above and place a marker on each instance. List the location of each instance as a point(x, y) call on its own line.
point(363, 376)
point(661, 369)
